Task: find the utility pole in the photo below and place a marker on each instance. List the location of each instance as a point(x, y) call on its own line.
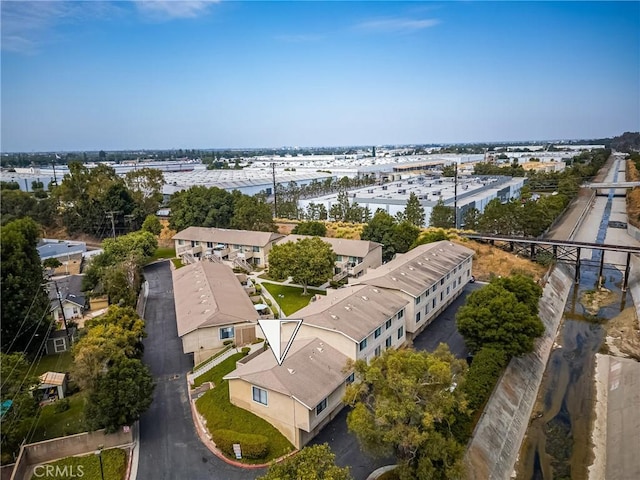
point(455, 194)
point(275, 194)
point(113, 224)
point(64, 317)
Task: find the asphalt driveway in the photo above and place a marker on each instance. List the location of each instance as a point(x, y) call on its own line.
point(169, 445)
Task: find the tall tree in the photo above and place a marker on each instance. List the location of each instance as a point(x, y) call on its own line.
point(309, 261)
point(145, 186)
point(313, 228)
point(200, 206)
point(381, 229)
point(494, 317)
point(17, 380)
point(120, 396)
point(470, 219)
point(442, 216)
point(413, 212)
point(315, 462)
point(25, 302)
point(252, 214)
point(404, 404)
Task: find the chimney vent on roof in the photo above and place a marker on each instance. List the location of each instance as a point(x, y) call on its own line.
point(291, 371)
point(375, 290)
point(365, 298)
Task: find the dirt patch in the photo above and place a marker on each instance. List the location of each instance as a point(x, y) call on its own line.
point(489, 262)
point(633, 196)
point(593, 300)
point(164, 239)
point(623, 334)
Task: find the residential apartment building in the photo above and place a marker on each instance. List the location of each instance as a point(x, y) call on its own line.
point(359, 321)
point(298, 397)
point(429, 278)
point(353, 257)
point(240, 247)
point(387, 308)
point(211, 307)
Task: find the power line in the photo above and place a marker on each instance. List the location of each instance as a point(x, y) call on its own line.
point(24, 319)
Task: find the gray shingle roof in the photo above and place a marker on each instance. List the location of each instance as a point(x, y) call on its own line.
point(309, 373)
point(355, 311)
point(228, 236)
point(414, 271)
point(209, 294)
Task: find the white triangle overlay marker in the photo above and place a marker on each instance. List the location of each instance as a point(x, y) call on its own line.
point(272, 330)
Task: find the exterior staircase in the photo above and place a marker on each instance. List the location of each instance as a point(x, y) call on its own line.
point(242, 263)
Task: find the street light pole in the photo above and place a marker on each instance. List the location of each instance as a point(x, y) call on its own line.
point(99, 453)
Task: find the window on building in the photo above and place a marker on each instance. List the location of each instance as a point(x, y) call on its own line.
point(388, 324)
point(260, 396)
point(401, 313)
point(418, 299)
point(468, 272)
point(448, 288)
point(321, 406)
point(434, 288)
point(387, 342)
point(400, 332)
point(426, 294)
point(193, 243)
point(59, 345)
point(236, 247)
point(363, 344)
point(377, 351)
point(417, 317)
point(226, 332)
point(455, 282)
point(209, 244)
point(257, 261)
point(442, 281)
point(180, 242)
point(256, 249)
point(459, 280)
point(75, 310)
point(351, 378)
point(426, 310)
point(338, 258)
point(448, 275)
point(441, 295)
point(433, 303)
point(377, 332)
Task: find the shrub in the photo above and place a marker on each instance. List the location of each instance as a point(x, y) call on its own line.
point(62, 405)
point(252, 445)
point(257, 340)
point(245, 350)
point(267, 301)
point(258, 288)
point(227, 342)
point(484, 372)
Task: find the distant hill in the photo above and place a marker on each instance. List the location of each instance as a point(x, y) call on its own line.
point(627, 142)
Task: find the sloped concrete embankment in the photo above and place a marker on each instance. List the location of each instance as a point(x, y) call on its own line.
point(494, 448)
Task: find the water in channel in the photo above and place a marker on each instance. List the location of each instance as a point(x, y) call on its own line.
point(558, 441)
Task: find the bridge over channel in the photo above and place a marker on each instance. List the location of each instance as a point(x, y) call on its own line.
point(561, 251)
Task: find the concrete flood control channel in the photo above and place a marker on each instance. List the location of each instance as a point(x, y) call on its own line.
point(558, 440)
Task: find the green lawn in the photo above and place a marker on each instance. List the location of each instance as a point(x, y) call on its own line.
point(292, 299)
point(114, 466)
point(211, 358)
point(177, 263)
point(169, 252)
point(60, 362)
point(219, 413)
point(53, 424)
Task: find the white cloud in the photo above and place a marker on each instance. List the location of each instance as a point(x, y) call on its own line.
point(170, 9)
point(28, 25)
point(395, 24)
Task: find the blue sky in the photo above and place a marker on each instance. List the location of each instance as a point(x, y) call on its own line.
point(176, 74)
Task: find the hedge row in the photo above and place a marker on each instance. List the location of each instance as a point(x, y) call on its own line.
point(252, 445)
point(480, 380)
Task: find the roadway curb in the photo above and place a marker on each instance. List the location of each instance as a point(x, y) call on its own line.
point(203, 434)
